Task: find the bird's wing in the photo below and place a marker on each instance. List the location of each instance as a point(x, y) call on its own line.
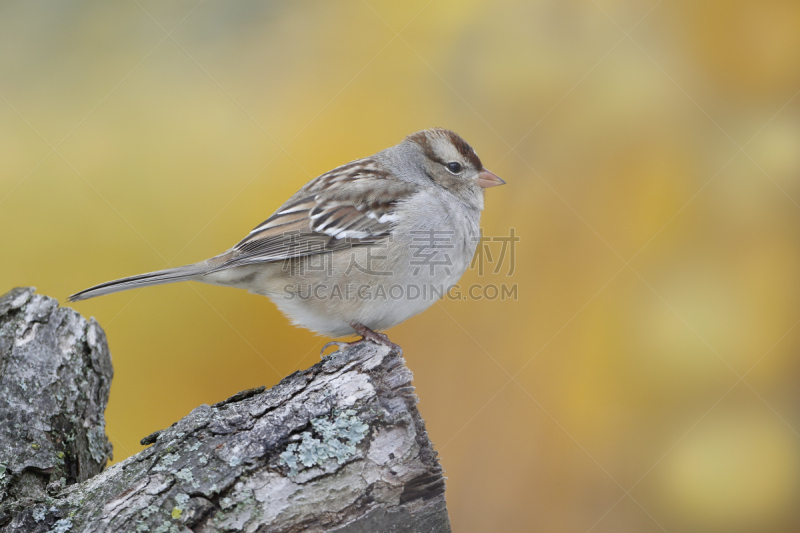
point(326, 215)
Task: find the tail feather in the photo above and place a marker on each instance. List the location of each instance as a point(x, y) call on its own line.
point(170, 275)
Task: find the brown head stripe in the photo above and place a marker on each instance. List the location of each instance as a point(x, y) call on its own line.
point(421, 138)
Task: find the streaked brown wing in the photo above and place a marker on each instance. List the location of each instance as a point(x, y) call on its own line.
point(326, 215)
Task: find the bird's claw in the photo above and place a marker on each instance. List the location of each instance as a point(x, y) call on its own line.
point(366, 335)
point(377, 338)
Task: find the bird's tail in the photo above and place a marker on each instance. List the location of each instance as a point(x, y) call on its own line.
point(170, 275)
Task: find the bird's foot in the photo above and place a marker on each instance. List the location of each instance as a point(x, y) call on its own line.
point(378, 338)
point(366, 335)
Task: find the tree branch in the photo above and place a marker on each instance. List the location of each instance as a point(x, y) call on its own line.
point(338, 447)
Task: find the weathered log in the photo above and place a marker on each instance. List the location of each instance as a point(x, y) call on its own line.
point(338, 447)
point(55, 375)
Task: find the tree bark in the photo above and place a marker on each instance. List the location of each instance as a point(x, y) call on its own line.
point(339, 447)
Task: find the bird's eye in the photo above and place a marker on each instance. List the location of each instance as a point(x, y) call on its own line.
point(454, 167)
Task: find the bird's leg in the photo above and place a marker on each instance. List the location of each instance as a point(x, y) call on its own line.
point(366, 335)
point(374, 336)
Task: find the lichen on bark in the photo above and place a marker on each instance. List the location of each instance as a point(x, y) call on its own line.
point(55, 375)
point(338, 447)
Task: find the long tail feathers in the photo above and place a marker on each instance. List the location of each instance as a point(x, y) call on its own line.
point(159, 277)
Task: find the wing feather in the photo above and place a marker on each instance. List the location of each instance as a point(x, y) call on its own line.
point(325, 216)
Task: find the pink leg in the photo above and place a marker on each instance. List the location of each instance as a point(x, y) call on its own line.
point(366, 335)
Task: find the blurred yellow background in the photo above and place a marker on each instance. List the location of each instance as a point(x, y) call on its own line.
point(647, 377)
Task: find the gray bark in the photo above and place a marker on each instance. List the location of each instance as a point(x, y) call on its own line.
point(339, 447)
point(55, 374)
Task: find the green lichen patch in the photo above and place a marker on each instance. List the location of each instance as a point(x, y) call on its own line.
point(166, 461)
point(62, 526)
point(185, 474)
point(39, 513)
point(338, 436)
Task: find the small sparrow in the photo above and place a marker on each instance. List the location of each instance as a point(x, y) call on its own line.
point(360, 248)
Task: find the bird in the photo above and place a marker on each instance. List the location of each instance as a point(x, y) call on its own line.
point(361, 248)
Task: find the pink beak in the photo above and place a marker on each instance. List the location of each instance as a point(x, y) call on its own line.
point(487, 179)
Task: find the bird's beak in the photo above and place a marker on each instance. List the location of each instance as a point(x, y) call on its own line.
point(488, 179)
